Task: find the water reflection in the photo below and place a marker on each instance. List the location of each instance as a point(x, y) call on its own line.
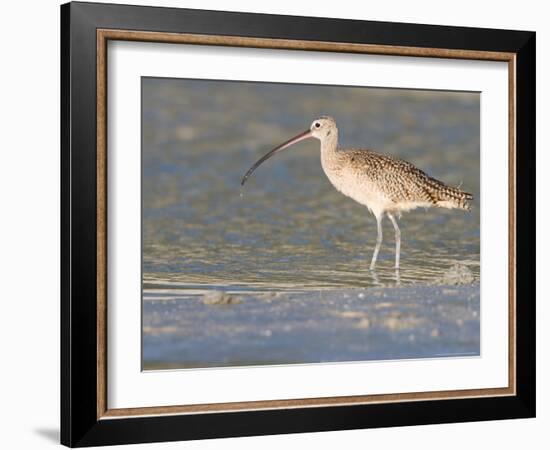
point(397, 277)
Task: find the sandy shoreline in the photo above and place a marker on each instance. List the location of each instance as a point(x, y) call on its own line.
point(216, 329)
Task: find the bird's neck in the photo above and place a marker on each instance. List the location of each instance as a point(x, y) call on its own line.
point(329, 145)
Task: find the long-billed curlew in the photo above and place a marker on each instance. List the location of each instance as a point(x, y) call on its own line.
point(384, 184)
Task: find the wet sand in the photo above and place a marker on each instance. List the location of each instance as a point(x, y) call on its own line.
point(191, 329)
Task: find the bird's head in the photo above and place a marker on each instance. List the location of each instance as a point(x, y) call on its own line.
point(323, 127)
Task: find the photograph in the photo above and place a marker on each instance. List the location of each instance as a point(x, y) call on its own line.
point(291, 223)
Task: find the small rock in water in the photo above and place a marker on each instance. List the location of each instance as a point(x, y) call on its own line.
point(268, 296)
point(458, 274)
point(220, 298)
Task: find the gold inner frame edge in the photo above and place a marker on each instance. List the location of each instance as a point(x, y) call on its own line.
point(103, 36)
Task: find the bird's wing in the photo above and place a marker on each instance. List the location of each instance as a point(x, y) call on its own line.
point(403, 181)
point(397, 179)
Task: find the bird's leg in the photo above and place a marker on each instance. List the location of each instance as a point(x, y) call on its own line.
point(378, 241)
point(397, 239)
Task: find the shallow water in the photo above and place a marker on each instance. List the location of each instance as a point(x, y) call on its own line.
point(288, 230)
point(190, 330)
point(288, 227)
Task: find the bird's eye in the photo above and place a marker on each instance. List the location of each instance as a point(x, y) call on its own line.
point(317, 125)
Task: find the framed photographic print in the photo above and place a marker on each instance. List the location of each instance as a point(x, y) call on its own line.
point(276, 224)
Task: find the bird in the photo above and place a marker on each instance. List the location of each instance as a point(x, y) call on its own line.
point(385, 184)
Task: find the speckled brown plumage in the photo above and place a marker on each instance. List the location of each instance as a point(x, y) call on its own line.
point(401, 181)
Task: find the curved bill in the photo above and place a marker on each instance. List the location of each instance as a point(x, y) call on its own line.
point(305, 135)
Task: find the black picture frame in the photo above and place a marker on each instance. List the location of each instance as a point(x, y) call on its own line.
point(80, 425)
